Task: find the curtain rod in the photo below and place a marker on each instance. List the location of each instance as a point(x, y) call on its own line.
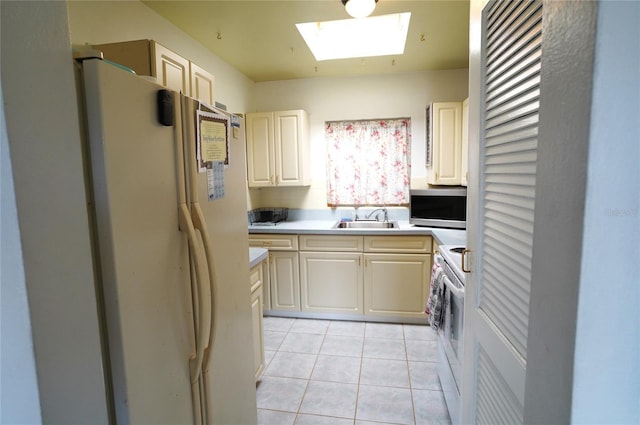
point(368, 119)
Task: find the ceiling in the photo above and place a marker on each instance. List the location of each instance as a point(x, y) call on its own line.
point(260, 39)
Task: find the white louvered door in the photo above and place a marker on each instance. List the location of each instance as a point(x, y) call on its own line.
point(497, 305)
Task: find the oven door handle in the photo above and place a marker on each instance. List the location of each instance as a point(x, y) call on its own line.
point(455, 291)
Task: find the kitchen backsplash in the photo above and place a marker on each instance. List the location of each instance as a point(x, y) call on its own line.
point(394, 213)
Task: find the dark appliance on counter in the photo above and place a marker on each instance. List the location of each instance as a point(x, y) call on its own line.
point(439, 207)
point(267, 216)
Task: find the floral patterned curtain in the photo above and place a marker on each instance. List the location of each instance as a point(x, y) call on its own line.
point(368, 162)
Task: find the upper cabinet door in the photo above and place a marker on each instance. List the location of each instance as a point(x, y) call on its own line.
point(278, 148)
point(202, 84)
point(260, 162)
point(291, 147)
point(148, 57)
point(447, 143)
point(171, 69)
point(464, 161)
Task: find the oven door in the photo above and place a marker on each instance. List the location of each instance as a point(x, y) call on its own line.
point(450, 349)
point(452, 332)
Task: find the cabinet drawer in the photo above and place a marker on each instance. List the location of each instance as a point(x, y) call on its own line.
point(405, 244)
point(274, 242)
point(331, 243)
point(256, 277)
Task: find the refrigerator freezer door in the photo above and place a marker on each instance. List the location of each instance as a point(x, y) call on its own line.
point(144, 263)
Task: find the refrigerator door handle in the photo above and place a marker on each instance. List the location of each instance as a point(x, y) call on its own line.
point(201, 225)
point(203, 319)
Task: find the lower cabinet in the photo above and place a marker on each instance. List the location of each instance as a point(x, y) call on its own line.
point(331, 282)
point(376, 276)
point(396, 285)
point(256, 278)
point(285, 280)
point(283, 289)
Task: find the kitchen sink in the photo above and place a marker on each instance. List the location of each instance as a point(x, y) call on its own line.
point(366, 225)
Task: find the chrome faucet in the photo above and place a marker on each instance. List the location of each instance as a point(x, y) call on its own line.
point(384, 210)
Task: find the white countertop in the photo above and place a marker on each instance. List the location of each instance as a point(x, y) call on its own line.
point(444, 236)
point(257, 255)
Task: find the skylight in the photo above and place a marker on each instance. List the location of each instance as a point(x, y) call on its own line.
point(357, 38)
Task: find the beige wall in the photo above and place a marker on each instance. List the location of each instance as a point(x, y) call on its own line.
point(42, 125)
point(330, 99)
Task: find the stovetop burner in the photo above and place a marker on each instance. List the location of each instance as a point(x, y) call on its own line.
point(452, 255)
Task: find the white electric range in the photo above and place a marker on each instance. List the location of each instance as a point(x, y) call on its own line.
point(450, 336)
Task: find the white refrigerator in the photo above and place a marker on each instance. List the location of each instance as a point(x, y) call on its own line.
point(172, 264)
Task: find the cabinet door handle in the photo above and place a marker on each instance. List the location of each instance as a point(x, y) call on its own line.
point(464, 253)
point(277, 179)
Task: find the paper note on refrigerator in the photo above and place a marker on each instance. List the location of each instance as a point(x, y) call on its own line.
point(215, 181)
point(213, 137)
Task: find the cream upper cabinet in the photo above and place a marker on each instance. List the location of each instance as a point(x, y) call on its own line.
point(202, 84)
point(444, 130)
point(260, 149)
point(148, 57)
point(278, 148)
point(464, 157)
point(171, 69)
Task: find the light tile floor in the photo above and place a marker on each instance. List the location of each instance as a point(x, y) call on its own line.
point(353, 373)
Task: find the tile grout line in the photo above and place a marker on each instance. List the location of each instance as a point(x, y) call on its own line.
point(325, 334)
point(406, 354)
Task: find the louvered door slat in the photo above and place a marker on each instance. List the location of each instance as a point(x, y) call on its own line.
point(512, 77)
point(505, 56)
point(507, 306)
point(509, 164)
point(504, 51)
point(500, 13)
point(514, 250)
point(523, 19)
point(514, 126)
point(514, 63)
point(496, 404)
point(507, 141)
point(512, 101)
point(497, 264)
point(513, 200)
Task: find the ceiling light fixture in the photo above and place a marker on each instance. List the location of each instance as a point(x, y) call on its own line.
point(359, 8)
